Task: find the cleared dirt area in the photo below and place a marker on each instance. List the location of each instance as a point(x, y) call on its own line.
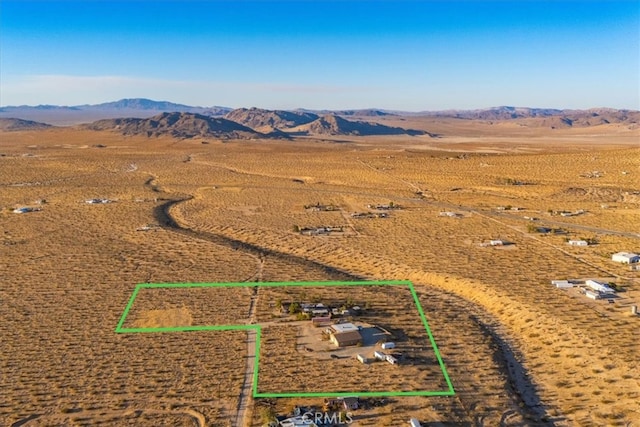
point(296, 357)
point(518, 350)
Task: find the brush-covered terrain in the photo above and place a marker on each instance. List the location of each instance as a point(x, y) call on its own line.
point(518, 350)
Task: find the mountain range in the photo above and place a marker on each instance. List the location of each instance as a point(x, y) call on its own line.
point(153, 118)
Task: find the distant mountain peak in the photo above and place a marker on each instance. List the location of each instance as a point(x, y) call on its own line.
point(269, 120)
point(332, 124)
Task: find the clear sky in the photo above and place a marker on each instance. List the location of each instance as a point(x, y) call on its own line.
point(407, 55)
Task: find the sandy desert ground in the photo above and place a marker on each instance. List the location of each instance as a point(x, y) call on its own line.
point(518, 351)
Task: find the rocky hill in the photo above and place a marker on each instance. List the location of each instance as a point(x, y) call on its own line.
point(270, 120)
point(10, 124)
point(332, 124)
point(179, 125)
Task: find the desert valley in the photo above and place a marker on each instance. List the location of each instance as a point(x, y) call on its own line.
point(508, 236)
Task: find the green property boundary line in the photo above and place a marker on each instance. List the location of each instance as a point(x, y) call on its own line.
point(258, 332)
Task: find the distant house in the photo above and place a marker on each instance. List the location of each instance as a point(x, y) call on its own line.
point(496, 242)
point(97, 201)
point(23, 210)
point(563, 284)
point(451, 214)
point(320, 311)
point(344, 339)
point(625, 257)
point(321, 320)
point(599, 286)
point(388, 345)
point(578, 243)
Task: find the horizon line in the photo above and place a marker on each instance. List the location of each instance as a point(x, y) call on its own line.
point(389, 110)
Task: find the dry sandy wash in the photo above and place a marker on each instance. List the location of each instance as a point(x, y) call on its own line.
point(518, 351)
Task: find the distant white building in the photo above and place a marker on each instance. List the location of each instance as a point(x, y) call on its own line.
point(599, 286)
point(625, 257)
point(593, 294)
point(562, 284)
point(451, 214)
point(578, 243)
point(379, 355)
point(22, 210)
point(388, 345)
point(362, 359)
point(343, 327)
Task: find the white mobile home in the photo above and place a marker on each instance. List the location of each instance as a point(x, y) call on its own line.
point(413, 422)
point(578, 243)
point(391, 359)
point(599, 286)
point(562, 284)
point(388, 345)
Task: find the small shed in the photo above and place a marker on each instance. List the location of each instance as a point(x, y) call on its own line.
point(379, 355)
point(388, 345)
point(578, 243)
point(391, 359)
point(362, 359)
point(413, 422)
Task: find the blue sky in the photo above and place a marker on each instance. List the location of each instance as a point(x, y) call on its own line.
point(407, 55)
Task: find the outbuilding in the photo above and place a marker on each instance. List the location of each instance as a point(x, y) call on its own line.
point(593, 294)
point(379, 355)
point(362, 359)
point(344, 339)
point(625, 257)
point(388, 345)
point(562, 284)
point(578, 243)
point(599, 286)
